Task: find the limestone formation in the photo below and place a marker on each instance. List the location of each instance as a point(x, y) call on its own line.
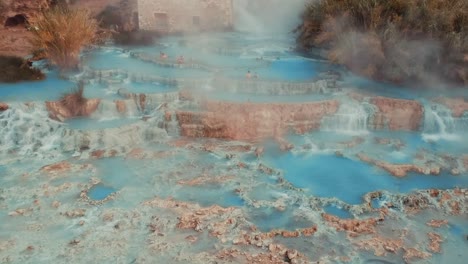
point(396, 114)
point(354, 227)
point(437, 223)
point(400, 170)
point(458, 105)
point(246, 121)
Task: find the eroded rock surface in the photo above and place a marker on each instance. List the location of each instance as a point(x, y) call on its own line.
point(458, 105)
point(246, 121)
point(3, 107)
point(400, 170)
point(396, 114)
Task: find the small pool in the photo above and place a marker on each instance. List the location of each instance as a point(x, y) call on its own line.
point(97, 124)
point(332, 176)
point(100, 192)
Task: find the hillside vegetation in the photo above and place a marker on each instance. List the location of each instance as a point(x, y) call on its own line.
point(61, 33)
point(393, 40)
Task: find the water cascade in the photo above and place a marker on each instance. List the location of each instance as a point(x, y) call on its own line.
point(439, 124)
point(27, 129)
point(351, 118)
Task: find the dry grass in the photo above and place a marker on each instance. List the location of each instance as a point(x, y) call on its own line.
point(391, 39)
point(62, 33)
point(75, 102)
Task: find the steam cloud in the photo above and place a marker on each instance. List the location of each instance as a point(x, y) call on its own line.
point(267, 16)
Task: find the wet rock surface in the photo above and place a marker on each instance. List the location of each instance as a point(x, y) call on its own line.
point(458, 106)
point(253, 121)
point(3, 107)
point(396, 114)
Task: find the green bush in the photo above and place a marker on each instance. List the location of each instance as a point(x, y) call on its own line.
point(15, 69)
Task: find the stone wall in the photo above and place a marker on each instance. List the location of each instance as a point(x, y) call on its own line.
point(172, 16)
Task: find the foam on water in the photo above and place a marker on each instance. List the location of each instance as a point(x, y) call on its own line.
point(351, 118)
point(28, 130)
point(439, 124)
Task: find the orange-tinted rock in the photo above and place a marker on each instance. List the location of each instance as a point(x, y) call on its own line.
point(3, 107)
point(168, 116)
point(56, 168)
point(413, 253)
point(309, 231)
point(98, 154)
point(437, 223)
point(396, 114)
point(277, 254)
point(247, 121)
point(142, 101)
point(381, 245)
point(458, 105)
point(353, 143)
point(434, 242)
point(121, 106)
point(354, 227)
point(185, 95)
point(289, 234)
point(400, 170)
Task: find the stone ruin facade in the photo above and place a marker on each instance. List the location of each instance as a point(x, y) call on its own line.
point(175, 16)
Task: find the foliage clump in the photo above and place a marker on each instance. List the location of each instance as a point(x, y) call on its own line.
point(75, 102)
point(61, 33)
point(397, 40)
point(15, 69)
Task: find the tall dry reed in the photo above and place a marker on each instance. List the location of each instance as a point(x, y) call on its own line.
point(62, 33)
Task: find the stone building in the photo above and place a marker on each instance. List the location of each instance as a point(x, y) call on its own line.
point(173, 16)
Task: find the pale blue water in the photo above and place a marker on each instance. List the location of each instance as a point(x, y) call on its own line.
point(340, 212)
point(96, 124)
point(100, 192)
point(110, 92)
point(52, 88)
point(312, 165)
point(332, 176)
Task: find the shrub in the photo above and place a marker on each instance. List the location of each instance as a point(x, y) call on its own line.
point(15, 69)
point(61, 34)
point(75, 102)
point(405, 39)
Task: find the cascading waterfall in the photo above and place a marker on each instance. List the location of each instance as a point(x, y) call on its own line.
point(107, 110)
point(439, 123)
point(27, 130)
point(351, 118)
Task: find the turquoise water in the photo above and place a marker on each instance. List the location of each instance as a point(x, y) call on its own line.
point(320, 174)
point(97, 124)
point(100, 192)
point(348, 180)
point(52, 88)
point(336, 211)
